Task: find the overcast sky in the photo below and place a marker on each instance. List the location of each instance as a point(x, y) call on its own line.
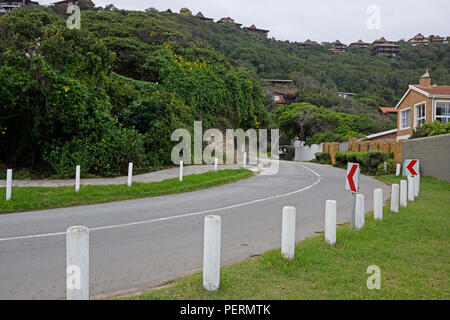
point(319, 20)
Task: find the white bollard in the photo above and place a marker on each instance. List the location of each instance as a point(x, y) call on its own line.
point(130, 174)
point(288, 233)
point(410, 188)
point(398, 169)
point(211, 253)
point(215, 164)
point(404, 193)
point(77, 260)
point(416, 185)
point(330, 222)
point(8, 184)
point(378, 204)
point(360, 212)
point(77, 179)
point(394, 198)
point(245, 159)
point(181, 170)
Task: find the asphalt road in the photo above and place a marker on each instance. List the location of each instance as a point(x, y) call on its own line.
point(138, 244)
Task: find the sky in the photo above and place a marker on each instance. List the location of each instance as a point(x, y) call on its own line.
point(318, 20)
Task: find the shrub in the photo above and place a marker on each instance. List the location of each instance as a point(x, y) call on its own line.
point(431, 129)
point(323, 157)
point(370, 161)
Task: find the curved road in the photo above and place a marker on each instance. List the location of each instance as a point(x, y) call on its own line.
point(138, 244)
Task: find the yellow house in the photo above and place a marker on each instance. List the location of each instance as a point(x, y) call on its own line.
point(422, 103)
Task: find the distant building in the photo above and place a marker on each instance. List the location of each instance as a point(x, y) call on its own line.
point(228, 20)
point(283, 95)
point(447, 40)
point(383, 47)
point(360, 44)
point(436, 39)
point(418, 40)
point(168, 11)
point(9, 5)
point(254, 29)
point(201, 16)
point(308, 43)
point(386, 110)
point(346, 95)
point(70, 2)
point(279, 81)
point(338, 47)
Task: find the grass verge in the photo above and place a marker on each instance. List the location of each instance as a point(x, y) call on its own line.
point(36, 198)
point(411, 248)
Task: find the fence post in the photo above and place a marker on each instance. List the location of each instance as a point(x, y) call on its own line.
point(394, 198)
point(245, 159)
point(288, 233)
point(330, 222)
point(416, 185)
point(410, 188)
point(378, 204)
point(215, 164)
point(130, 174)
point(211, 253)
point(360, 211)
point(8, 184)
point(403, 193)
point(77, 263)
point(181, 170)
point(398, 169)
point(77, 179)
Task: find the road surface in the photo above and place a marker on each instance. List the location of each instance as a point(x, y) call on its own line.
point(139, 244)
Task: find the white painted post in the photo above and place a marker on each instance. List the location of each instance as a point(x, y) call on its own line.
point(77, 179)
point(215, 164)
point(410, 188)
point(8, 184)
point(399, 167)
point(416, 185)
point(245, 159)
point(130, 174)
point(403, 193)
point(360, 211)
point(181, 170)
point(394, 198)
point(378, 204)
point(330, 222)
point(211, 253)
point(77, 260)
point(288, 233)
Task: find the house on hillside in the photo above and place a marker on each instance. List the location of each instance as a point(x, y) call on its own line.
point(418, 40)
point(201, 16)
point(254, 29)
point(338, 47)
point(230, 21)
point(283, 95)
point(308, 43)
point(387, 110)
point(70, 2)
point(383, 47)
point(279, 81)
point(422, 103)
point(346, 95)
point(360, 44)
point(9, 5)
point(436, 39)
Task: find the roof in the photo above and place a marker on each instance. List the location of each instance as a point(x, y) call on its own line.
point(380, 134)
point(254, 28)
point(433, 91)
point(201, 16)
point(388, 110)
point(284, 91)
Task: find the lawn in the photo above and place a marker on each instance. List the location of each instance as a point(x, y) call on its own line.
point(411, 248)
point(35, 198)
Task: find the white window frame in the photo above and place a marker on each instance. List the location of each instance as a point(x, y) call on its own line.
point(435, 109)
point(416, 115)
point(400, 119)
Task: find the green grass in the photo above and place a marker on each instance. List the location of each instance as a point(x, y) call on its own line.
point(37, 198)
point(412, 249)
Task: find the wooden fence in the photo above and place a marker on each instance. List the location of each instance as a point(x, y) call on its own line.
point(363, 146)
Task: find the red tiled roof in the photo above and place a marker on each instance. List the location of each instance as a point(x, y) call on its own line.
point(388, 110)
point(439, 90)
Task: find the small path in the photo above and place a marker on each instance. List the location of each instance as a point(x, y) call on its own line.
point(144, 178)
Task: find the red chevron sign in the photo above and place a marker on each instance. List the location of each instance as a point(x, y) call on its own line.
point(412, 167)
point(352, 181)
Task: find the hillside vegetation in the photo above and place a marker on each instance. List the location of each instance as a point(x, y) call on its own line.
point(113, 91)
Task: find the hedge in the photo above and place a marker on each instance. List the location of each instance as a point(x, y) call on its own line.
point(371, 162)
point(323, 157)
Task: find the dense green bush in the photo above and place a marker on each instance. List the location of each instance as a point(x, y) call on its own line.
point(369, 161)
point(431, 129)
point(290, 153)
point(323, 157)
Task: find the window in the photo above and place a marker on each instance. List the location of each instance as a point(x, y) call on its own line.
point(420, 114)
point(277, 98)
point(443, 112)
point(405, 119)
